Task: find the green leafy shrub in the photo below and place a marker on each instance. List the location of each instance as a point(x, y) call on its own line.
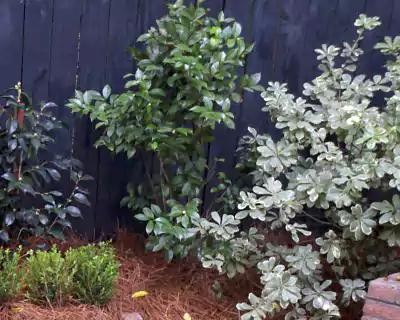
point(49, 280)
point(336, 166)
point(95, 272)
point(10, 279)
point(186, 80)
point(24, 172)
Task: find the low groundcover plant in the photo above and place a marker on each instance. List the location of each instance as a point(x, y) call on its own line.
point(95, 272)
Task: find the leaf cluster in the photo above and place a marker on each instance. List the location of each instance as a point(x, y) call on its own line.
point(87, 274)
point(96, 271)
point(184, 86)
point(31, 169)
point(336, 168)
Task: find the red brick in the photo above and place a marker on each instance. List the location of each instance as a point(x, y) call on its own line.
point(381, 310)
point(387, 291)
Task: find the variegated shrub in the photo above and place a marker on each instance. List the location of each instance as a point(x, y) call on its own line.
point(337, 165)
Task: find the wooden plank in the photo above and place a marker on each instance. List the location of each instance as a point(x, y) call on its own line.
point(92, 74)
point(11, 39)
point(37, 48)
point(373, 61)
point(225, 142)
point(242, 11)
point(296, 59)
point(64, 58)
point(266, 22)
point(214, 6)
point(395, 20)
point(36, 60)
point(320, 14)
point(136, 171)
point(123, 33)
point(128, 20)
point(111, 183)
point(149, 14)
point(185, 2)
point(341, 28)
point(292, 33)
point(62, 79)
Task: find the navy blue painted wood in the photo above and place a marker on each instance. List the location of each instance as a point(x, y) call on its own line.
point(37, 48)
point(242, 11)
point(62, 78)
point(373, 61)
point(321, 14)
point(266, 23)
point(91, 75)
point(63, 64)
point(11, 42)
point(291, 43)
point(215, 7)
point(36, 56)
point(127, 22)
point(112, 169)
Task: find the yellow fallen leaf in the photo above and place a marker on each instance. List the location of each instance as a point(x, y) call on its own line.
point(139, 294)
point(16, 310)
point(187, 316)
point(276, 306)
point(397, 278)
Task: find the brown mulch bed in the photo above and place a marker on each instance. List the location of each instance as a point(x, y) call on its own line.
point(174, 289)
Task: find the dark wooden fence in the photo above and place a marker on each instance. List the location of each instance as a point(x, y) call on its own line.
point(54, 46)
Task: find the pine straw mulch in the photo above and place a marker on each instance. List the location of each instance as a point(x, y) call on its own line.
point(174, 289)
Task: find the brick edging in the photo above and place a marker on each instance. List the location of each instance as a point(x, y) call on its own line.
point(383, 299)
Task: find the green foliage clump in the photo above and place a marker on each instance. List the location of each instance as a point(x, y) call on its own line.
point(336, 166)
point(26, 174)
point(338, 151)
point(49, 280)
point(186, 80)
point(87, 274)
point(11, 279)
point(95, 272)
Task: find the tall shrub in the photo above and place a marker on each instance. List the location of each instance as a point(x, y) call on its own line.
point(337, 165)
point(29, 168)
point(186, 80)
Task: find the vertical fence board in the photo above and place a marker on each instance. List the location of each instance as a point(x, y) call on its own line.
point(214, 6)
point(212, 150)
point(292, 34)
point(64, 57)
point(62, 78)
point(11, 38)
point(242, 11)
point(122, 34)
point(37, 48)
point(225, 142)
point(373, 61)
point(395, 22)
point(92, 72)
point(135, 171)
point(266, 21)
point(36, 57)
point(321, 15)
point(127, 21)
point(341, 27)
point(149, 14)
